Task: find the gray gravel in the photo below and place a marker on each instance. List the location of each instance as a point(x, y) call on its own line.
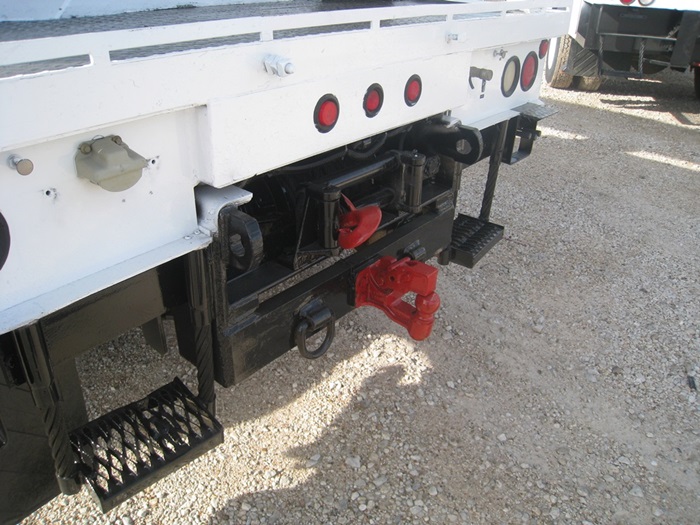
point(559, 386)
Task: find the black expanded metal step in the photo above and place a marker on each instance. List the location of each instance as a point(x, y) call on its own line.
point(124, 451)
point(472, 238)
point(536, 111)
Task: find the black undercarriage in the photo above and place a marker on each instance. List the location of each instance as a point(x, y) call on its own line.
point(631, 41)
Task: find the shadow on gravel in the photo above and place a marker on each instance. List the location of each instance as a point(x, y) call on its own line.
point(378, 461)
point(668, 92)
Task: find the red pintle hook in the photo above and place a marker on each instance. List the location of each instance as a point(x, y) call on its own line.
point(358, 224)
point(385, 282)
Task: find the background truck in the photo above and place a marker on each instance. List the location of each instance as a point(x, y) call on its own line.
point(625, 38)
point(251, 172)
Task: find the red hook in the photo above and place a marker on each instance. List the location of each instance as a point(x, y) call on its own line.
point(358, 225)
point(383, 285)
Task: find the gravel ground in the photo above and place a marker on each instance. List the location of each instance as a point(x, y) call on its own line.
point(559, 385)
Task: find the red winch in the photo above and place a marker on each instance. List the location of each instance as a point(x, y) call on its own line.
point(384, 283)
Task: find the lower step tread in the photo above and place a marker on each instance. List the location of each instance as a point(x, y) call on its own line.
point(536, 111)
point(128, 449)
point(472, 238)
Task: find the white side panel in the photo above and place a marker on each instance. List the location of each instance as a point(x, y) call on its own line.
point(293, 135)
point(251, 102)
point(477, 111)
point(64, 228)
point(214, 116)
point(107, 91)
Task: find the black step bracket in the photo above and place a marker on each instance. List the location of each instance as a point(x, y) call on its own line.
point(128, 449)
point(524, 127)
point(472, 238)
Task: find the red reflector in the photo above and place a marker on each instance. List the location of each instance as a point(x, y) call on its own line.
point(544, 47)
point(413, 90)
point(372, 101)
point(326, 113)
point(529, 74)
point(374, 98)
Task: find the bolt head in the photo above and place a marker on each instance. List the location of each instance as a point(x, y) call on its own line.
point(24, 166)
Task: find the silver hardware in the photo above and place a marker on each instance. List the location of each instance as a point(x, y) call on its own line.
point(23, 166)
point(280, 66)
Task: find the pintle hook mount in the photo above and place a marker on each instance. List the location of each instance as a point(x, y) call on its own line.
point(383, 285)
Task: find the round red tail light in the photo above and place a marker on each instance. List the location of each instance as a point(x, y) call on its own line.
point(627, 2)
point(326, 113)
point(544, 48)
point(529, 74)
point(413, 90)
point(511, 75)
point(374, 98)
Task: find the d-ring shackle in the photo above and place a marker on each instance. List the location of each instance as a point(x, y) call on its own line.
point(313, 318)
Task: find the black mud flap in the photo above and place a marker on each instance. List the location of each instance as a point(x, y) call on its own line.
point(128, 449)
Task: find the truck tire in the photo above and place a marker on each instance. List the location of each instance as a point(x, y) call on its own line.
point(697, 82)
point(557, 56)
point(588, 83)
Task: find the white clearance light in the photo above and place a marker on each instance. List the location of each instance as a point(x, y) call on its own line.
point(511, 76)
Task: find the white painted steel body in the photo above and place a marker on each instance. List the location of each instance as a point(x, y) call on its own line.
point(215, 117)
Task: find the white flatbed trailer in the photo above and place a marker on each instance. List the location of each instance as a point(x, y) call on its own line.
point(192, 163)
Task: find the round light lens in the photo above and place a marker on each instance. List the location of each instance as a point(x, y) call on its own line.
point(374, 98)
point(627, 2)
point(529, 74)
point(413, 90)
point(544, 48)
point(4, 240)
point(326, 113)
point(511, 75)
point(646, 2)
